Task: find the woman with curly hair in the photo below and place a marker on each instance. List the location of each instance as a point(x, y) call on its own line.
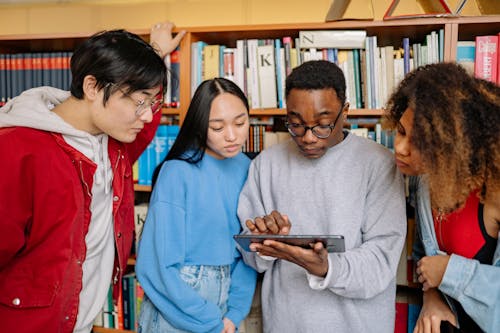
point(448, 141)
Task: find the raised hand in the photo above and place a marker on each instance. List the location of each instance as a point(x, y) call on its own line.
point(161, 38)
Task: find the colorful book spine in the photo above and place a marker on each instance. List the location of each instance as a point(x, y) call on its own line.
point(175, 66)
point(485, 66)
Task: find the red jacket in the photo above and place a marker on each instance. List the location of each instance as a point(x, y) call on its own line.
point(45, 198)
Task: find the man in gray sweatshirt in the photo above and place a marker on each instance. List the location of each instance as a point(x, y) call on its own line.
point(325, 181)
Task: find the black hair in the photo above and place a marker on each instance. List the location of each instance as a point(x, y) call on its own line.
point(191, 141)
point(316, 75)
point(117, 58)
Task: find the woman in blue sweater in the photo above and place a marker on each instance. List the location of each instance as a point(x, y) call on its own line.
point(193, 276)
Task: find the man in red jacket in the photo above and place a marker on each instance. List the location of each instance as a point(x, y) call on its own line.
point(66, 189)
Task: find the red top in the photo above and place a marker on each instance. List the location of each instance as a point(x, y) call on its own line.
point(463, 232)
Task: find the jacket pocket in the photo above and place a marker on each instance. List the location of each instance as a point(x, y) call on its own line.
point(24, 293)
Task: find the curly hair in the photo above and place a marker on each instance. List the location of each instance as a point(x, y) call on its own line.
point(456, 128)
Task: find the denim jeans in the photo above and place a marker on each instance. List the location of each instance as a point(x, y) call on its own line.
point(211, 282)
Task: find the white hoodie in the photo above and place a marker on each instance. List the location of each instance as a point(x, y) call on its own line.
point(33, 109)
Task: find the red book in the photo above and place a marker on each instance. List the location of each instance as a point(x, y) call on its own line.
point(401, 324)
point(485, 66)
point(498, 59)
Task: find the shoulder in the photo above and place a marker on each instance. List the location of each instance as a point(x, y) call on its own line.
point(369, 150)
point(24, 139)
point(275, 152)
point(492, 207)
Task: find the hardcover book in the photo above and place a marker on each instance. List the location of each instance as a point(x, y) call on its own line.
point(486, 57)
point(340, 39)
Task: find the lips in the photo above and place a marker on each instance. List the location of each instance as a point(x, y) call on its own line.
point(311, 152)
point(400, 163)
point(232, 147)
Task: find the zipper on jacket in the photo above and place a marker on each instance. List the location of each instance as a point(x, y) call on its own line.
point(115, 278)
point(83, 180)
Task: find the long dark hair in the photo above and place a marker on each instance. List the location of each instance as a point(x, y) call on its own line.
point(191, 141)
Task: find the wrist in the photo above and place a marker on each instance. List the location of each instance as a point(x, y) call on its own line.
point(157, 49)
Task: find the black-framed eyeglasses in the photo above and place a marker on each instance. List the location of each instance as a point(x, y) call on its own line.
point(320, 131)
point(142, 106)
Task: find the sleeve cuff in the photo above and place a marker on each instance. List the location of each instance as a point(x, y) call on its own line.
point(235, 317)
point(458, 266)
point(319, 283)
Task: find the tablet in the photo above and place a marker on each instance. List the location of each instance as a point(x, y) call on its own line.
point(333, 243)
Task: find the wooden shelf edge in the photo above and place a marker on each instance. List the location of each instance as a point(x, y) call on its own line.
point(346, 24)
point(352, 112)
point(142, 188)
point(99, 329)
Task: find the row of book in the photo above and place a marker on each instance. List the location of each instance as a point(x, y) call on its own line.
point(481, 57)
point(22, 71)
point(260, 66)
point(155, 153)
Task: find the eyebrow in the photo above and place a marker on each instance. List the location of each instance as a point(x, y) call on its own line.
point(319, 115)
point(218, 119)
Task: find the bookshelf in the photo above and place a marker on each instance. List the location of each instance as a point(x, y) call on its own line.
point(389, 33)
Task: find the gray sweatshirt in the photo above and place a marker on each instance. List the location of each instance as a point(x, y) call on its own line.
point(354, 190)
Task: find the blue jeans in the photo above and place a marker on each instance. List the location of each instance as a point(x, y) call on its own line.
point(211, 282)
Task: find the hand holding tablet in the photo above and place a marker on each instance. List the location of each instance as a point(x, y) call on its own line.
point(333, 243)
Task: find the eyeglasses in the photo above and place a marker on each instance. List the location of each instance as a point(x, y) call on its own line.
point(320, 131)
point(142, 106)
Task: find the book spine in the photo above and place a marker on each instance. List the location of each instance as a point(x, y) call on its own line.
point(175, 67)
point(3, 81)
point(406, 55)
point(485, 66)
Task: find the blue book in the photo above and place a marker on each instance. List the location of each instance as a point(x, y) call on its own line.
point(8, 76)
point(37, 69)
point(27, 70)
point(413, 312)
point(15, 72)
point(406, 55)
point(466, 55)
point(277, 68)
point(175, 68)
point(146, 167)
point(46, 78)
point(160, 142)
point(357, 78)
point(172, 132)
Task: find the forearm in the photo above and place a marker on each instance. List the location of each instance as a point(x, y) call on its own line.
point(477, 288)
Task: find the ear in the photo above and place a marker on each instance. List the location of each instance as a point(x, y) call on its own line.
point(345, 110)
point(90, 90)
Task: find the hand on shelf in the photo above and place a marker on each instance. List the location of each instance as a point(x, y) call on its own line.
point(161, 38)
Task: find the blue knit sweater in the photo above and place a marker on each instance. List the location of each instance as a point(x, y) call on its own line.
point(191, 220)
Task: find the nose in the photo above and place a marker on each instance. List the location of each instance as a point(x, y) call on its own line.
point(309, 137)
point(401, 145)
point(230, 134)
point(147, 115)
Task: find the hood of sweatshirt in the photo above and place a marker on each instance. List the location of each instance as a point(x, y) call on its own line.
point(33, 109)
